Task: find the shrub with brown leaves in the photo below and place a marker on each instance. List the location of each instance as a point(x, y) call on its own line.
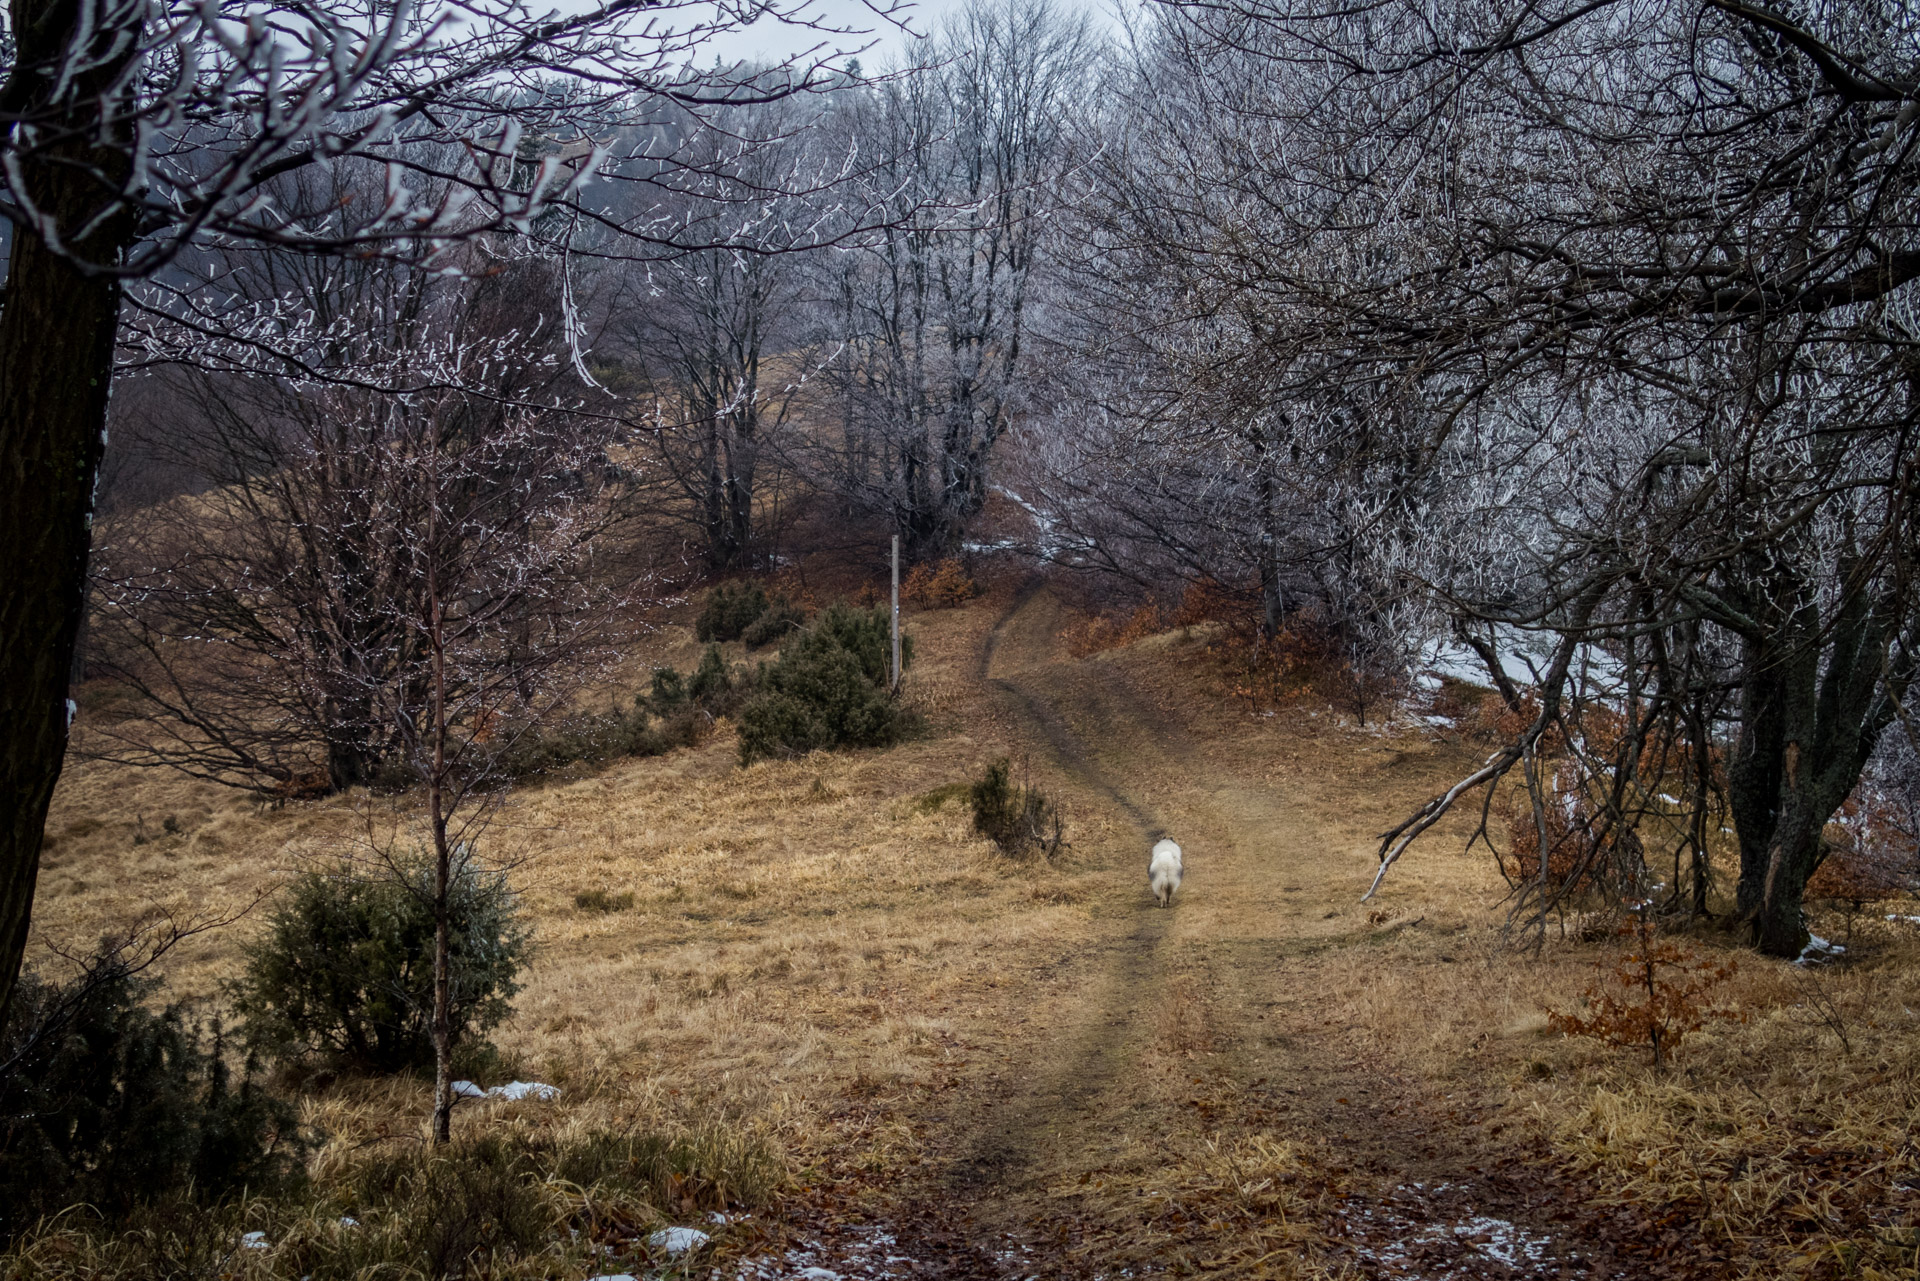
point(1653, 993)
point(939, 586)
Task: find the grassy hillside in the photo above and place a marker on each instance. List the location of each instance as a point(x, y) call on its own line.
point(1024, 1066)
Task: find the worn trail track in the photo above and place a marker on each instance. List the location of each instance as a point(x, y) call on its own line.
point(1414, 1187)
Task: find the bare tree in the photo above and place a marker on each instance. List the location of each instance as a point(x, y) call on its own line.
point(925, 326)
point(495, 620)
point(711, 342)
point(256, 619)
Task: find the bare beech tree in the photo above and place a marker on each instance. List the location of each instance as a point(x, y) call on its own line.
point(926, 326)
point(712, 340)
point(248, 616)
point(380, 581)
point(1194, 434)
point(135, 130)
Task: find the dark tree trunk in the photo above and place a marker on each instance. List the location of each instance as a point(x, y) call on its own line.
point(1807, 732)
point(56, 368)
point(1754, 772)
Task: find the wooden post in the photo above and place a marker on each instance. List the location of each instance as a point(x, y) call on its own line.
point(896, 613)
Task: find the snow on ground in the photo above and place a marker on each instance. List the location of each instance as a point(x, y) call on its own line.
point(1819, 950)
point(1431, 1232)
point(512, 1091)
point(866, 1254)
point(1521, 655)
point(678, 1241)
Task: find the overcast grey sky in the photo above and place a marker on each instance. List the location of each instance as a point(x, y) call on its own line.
point(772, 41)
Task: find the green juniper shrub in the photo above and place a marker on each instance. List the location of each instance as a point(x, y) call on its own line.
point(1016, 817)
point(730, 609)
point(342, 977)
point(866, 634)
point(781, 619)
point(667, 695)
point(108, 1103)
point(827, 689)
point(608, 736)
point(712, 686)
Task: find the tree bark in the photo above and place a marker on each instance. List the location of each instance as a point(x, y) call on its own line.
point(57, 329)
point(1807, 732)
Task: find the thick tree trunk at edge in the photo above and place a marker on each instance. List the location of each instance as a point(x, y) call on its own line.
point(56, 367)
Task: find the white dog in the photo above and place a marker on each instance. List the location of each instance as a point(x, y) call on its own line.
point(1164, 871)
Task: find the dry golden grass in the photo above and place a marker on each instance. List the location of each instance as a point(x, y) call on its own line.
point(823, 955)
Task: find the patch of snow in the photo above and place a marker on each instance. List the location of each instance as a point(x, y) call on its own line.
point(857, 1253)
point(1450, 660)
point(255, 1241)
point(1671, 800)
point(615, 1276)
point(514, 1091)
point(348, 1221)
point(1818, 950)
point(1504, 1241)
point(1439, 722)
point(678, 1241)
point(1895, 916)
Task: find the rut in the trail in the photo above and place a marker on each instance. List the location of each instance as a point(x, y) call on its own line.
point(1069, 752)
point(1100, 1048)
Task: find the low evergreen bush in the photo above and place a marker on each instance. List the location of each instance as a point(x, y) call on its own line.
point(667, 695)
point(107, 1103)
point(1016, 817)
point(342, 977)
point(712, 687)
point(781, 619)
point(827, 689)
point(608, 736)
point(730, 609)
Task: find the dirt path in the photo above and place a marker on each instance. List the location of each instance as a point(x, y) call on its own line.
point(1182, 1032)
